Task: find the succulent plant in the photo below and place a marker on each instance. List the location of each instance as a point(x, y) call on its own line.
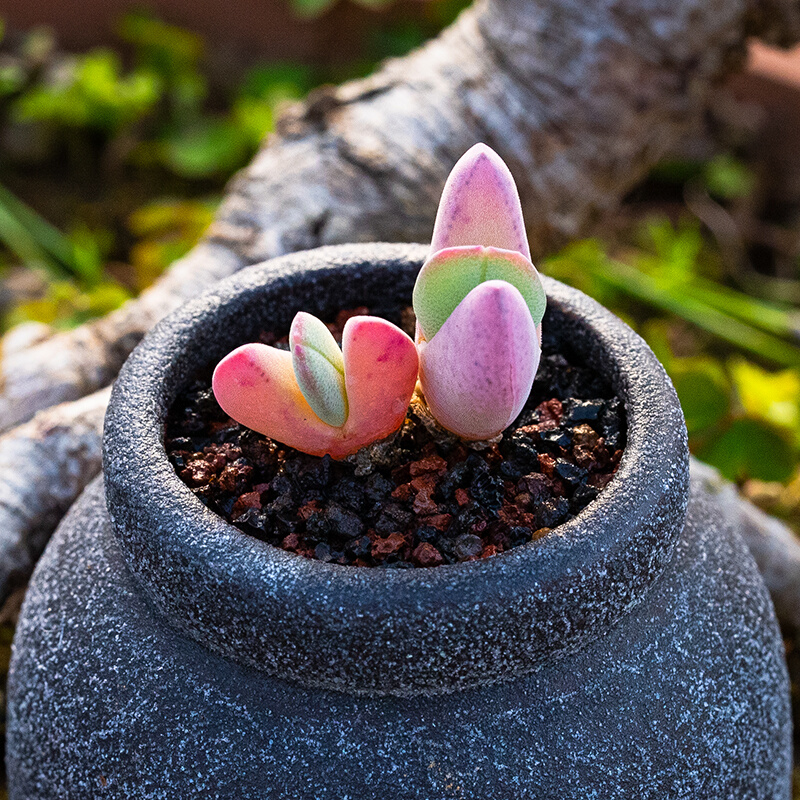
point(479, 302)
point(316, 397)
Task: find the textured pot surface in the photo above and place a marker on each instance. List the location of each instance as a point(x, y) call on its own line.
point(162, 653)
point(376, 631)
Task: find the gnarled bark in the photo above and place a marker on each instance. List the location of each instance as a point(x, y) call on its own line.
point(580, 98)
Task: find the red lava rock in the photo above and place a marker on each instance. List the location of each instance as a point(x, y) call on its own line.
point(215, 461)
point(584, 456)
point(550, 413)
point(291, 542)
point(401, 474)
point(522, 500)
point(489, 550)
point(305, 511)
point(512, 516)
point(245, 501)
point(388, 546)
point(234, 477)
point(534, 430)
point(493, 455)
point(439, 521)
point(424, 504)
point(462, 496)
point(403, 492)
point(426, 555)
point(600, 479)
point(547, 464)
point(434, 463)
point(425, 485)
point(197, 473)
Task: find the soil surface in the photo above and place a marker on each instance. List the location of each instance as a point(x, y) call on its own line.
point(420, 498)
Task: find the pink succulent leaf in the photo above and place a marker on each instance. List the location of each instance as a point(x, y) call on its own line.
point(258, 387)
point(478, 370)
point(319, 368)
point(480, 205)
point(381, 366)
point(449, 275)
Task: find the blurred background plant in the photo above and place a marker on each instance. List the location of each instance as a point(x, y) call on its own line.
point(113, 160)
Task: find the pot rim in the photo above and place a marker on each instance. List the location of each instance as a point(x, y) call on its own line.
point(385, 632)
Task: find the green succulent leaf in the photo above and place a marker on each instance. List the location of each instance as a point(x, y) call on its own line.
point(450, 275)
point(319, 368)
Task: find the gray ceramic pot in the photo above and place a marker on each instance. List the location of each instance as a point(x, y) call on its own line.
point(632, 653)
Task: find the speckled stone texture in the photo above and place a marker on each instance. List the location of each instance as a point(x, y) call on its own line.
point(633, 653)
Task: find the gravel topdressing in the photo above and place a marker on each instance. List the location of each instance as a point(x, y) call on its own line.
point(422, 498)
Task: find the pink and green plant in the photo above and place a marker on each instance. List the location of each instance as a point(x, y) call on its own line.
point(479, 304)
point(316, 397)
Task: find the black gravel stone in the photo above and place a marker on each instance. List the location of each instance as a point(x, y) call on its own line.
point(467, 545)
point(572, 473)
point(583, 410)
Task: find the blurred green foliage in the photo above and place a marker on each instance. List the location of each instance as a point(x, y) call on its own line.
point(743, 416)
point(149, 117)
point(92, 92)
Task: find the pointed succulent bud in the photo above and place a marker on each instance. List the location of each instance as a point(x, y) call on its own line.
point(480, 205)
point(479, 302)
point(280, 394)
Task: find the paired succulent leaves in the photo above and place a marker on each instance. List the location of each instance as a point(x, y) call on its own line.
point(479, 309)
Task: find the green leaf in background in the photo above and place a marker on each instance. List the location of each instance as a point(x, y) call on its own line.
point(12, 78)
point(39, 244)
point(166, 230)
point(669, 252)
point(728, 178)
point(264, 89)
point(656, 332)
point(254, 119)
point(92, 93)
point(772, 396)
point(265, 81)
point(703, 389)
point(166, 48)
point(751, 448)
point(205, 148)
point(65, 305)
point(311, 8)
point(174, 55)
point(580, 264)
